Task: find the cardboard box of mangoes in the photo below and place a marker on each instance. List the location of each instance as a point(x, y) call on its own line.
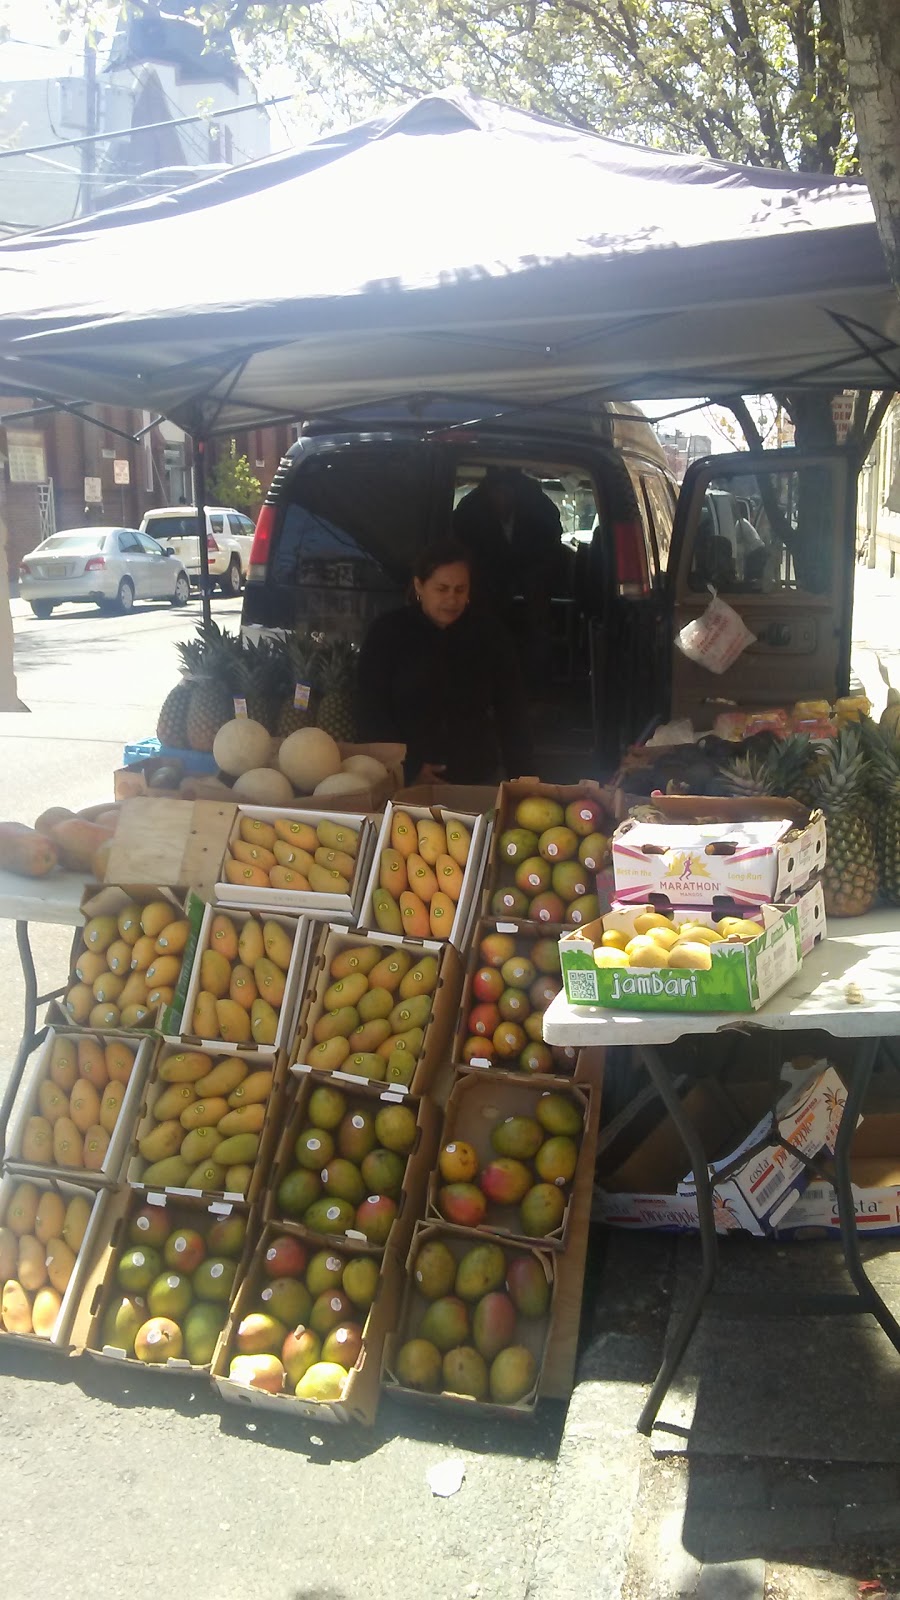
point(513, 976)
point(426, 873)
point(306, 1331)
point(550, 842)
point(474, 1323)
point(353, 1162)
point(280, 860)
point(50, 1230)
point(79, 1105)
point(378, 1009)
point(164, 1272)
point(246, 981)
point(209, 1123)
point(129, 962)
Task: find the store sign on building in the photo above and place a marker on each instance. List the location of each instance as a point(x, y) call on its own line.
point(27, 457)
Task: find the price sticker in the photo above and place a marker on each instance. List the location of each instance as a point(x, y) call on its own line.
point(240, 706)
point(302, 692)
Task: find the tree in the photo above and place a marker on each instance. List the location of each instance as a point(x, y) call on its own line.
point(232, 483)
point(872, 35)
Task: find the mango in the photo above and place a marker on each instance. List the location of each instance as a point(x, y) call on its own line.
point(119, 1061)
point(74, 1228)
point(64, 1064)
point(331, 1023)
point(401, 1067)
point(397, 1043)
point(90, 966)
point(206, 1175)
point(343, 1180)
point(242, 988)
point(363, 1064)
point(421, 878)
point(99, 933)
point(45, 1309)
point(390, 970)
point(375, 1217)
point(325, 1271)
point(60, 1264)
point(128, 923)
point(204, 1020)
point(403, 833)
point(459, 841)
point(233, 1021)
point(162, 1141)
point(419, 1366)
point(539, 814)
point(67, 1144)
point(96, 1144)
point(481, 1270)
point(505, 1181)
point(158, 1341)
point(359, 1281)
point(253, 855)
point(465, 1372)
point(297, 1191)
point(542, 1210)
point(300, 1351)
point(162, 973)
point(493, 1324)
point(299, 833)
point(291, 855)
point(329, 1055)
point(513, 1375)
point(557, 1159)
point(225, 1077)
point(369, 1035)
point(288, 878)
point(199, 1145)
point(392, 876)
point(254, 1089)
point(237, 1180)
point(84, 1105)
point(263, 1022)
point(386, 912)
point(445, 1323)
point(107, 988)
point(241, 1149)
point(441, 914)
point(173, 1100)
point(449, 877)
point(258, 1372)
point(124, 1316)
point(414, 916)
point(420, 979)
point(32, 1267)
point(343, 1345)
point(359, 958)
point(37, 1140)
point(409, 1014)
point(15, 1311)
point(118, 960)
point(278, 945)
point(48, 1222)
point(432, 840)
point(338, 836)
point(215, 974)
point(143, 953)
point(520, 1137)
point(156, 915)
point(204, 1113)
point(323, 1381)
point(79, 1003)
point(104, 1016)
point(325, 880)
point(375, 1005)
point(174, 937)
point(135, 992)
point(259, 1333)
point(254, 830)
point(335, 861)
point(185, 1066)
point(247, 1119)
point(329, 1215)
point(270, 982)
point(170, 1173)
point(21, 1213)
point(251, 946)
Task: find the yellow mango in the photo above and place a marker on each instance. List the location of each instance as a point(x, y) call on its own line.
point(84, 1105)
point(403, 833)
point(21, 1213)
point(60, 1264)
point(420, 979)
point(254, 1090)
point(52, 1103)
point(415, 916)
point(459, 841)
point(223, 936)
point(335, 861)
point(337, 836)
point(386, 912)
point(246, 1119)
point(37, 1141)
point(174, 937)
point(263, 1022)
point(15, 1311)
point(9, 1254)
point(290, 855)
point(215, 974)
point(79, 1003)
point(237, 1180)
point(135, 991)
point(253, 830)
point(392, 874)
point(390, 971)
point(32, 1271)
point(269, 982)
point(329, 1055)
point(105, 1016)
point(173, 1100)
point(99, 933)
point(450, 877)
point(432, 840)
point(160, 997)
point(136, 1017)
point(143, 952)
point(168, 1174)
point(295, 832)
point(233, 1021)
point(441, 913)
point(110, 1106)
point(96, 1144)
point(422, 880)
point(278, 945)
point(203, 1114)
point(240, 1150)
point(45, 1309)
point(209, 1175)
point(128, 923)
point(253, 855)
point(162, 1141)
point(156, 916)
point(358, 958)
point(288, 878)
point(246, 874)
point(205, 1021)
point(251, 946)
point(199, 1145)
point(64, 1064)
point(67, 1143)
point(78, 1215)
point(50, 1218)
point(324, 880)
point(163, 972)
point(90, 966)
point(242, 989)
point(185, 1066)
point(119, 1060)
point(118, 957)
point(225, 1076)
point(108, 987)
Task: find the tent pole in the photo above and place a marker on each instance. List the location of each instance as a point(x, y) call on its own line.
point(200, 502)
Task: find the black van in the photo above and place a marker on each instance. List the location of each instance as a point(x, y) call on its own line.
point(358, 496)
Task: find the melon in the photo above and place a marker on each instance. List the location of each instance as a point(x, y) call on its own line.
point(342, 783)
point(263, 786)
point(308, 756)
point(366, 767)
point(240, 745)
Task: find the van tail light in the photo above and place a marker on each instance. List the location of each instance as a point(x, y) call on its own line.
point(632, 578)
point(211, 544)
point(261, 547)
point(96, 564)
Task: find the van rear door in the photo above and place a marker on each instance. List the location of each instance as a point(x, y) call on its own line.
point(772, 532)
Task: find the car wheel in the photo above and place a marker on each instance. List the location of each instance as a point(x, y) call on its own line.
point(125, 596)
point(42, 608)
point(182, 590)
point(231, 583)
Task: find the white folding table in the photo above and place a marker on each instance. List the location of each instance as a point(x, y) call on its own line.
point(848, 987)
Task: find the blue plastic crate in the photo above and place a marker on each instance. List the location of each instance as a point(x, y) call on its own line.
point(196, 761)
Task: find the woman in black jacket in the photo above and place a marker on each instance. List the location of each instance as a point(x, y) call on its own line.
point(444, 680)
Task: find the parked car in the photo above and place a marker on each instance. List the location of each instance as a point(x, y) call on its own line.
point(229, 539)
point(112, 567)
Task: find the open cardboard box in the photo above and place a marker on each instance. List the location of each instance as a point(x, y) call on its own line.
point(532, 1332)
point(742, 977)
point(110, 1171)
point(359, 1399)
point(101, 1282)
point(299, 931)
point(438, 1030)
point(698, 864)
point(338, 906)
point(478, 826)
point(875, 1175)
point(368, 1097)
point(98, 1200)
point(510, 795)
point(526, 935)
point(645, 1188)
point(255, 1061)
point(478, 1103)
point(457, 797)
point(109, 900)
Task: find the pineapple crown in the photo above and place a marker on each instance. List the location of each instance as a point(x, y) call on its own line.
point(839, 781)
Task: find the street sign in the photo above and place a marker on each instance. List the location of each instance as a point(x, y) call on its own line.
point(93, 491)
point(121, 472)
point(842, 414)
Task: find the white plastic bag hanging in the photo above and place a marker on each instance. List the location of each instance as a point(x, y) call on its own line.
point(715, 639)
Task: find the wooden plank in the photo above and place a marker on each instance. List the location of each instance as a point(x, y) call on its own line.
point(176, 842)
point(558, 1375)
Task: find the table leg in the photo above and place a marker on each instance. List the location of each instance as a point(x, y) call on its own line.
point(859, 1078)
point(26, 1046)
point(681, 1334)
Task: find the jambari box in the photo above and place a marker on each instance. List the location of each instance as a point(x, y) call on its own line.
point(756, 1180)
point(690, 864)
point(741, 977)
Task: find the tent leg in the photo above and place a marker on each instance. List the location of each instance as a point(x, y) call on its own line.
point(200, 503)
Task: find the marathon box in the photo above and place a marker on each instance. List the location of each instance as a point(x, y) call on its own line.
point(697, 864)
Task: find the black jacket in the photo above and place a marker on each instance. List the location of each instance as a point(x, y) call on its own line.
point(453, 696)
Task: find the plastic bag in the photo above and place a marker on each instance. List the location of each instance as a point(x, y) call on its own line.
point(715, 639)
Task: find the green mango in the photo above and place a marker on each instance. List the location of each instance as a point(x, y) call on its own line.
point(387, 912)
point(168, 1174)
point(401, 1068)
point(363, 1064)
point(410, 1014)
point(238, 1150)
point(421, 979)
point(209, 1175)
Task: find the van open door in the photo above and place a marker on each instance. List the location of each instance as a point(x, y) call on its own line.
point(773, 533)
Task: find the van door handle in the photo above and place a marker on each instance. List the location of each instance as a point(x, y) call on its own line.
point(778, 635)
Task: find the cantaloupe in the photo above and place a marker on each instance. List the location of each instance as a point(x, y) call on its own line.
point(308, 756)
point(342, 783)
point(263, 786)
point(366, 767)
point(241, 745)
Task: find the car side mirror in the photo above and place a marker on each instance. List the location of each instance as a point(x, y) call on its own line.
point(169, 551)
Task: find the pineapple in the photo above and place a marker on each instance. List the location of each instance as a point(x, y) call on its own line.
point(338, 679)
point(850, 879)
point(298, 655)
point(212, 700)
point(171, 728)
point(782, 771)
point(259, 676)
point(883, 779)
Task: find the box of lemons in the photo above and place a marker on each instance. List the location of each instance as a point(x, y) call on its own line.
point(209, 1122)
point(550, 842)
point(426, 873)
point(50, 1228)
point(163, 1280)
point(508, 1155)
point(474, 1321)
point(353, 1162)
point(513, 975)
point(376, 1011)
point(126, 961)
point(307, 1327)
point(245, 981)
point(296, 860)
point(76, 1114)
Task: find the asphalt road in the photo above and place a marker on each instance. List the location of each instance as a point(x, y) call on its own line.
point(140, 1485)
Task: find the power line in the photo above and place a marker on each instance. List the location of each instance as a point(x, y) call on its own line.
point(148, 127)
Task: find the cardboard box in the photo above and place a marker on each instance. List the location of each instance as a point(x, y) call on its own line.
point(477, 797)
point(359, 1400)
point(101, 1283)
point(742, 978)
point(480, 829)
point(533, 1332)
point(255, 1061)
point(419, 1162)
point(436, 1042)
point(98, 1200)
point(690, 864)
point(478, 1103)
point(752, 1194)
point(109, 900)
point(117, 1150)
point(466, 1043)
point(299, 930)
point(336, 907)
point(510, 794)
point(875, 1175)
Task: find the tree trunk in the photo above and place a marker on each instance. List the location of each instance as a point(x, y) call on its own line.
point(872, 41)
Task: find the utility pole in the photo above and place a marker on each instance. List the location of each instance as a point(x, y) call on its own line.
point(89, 151)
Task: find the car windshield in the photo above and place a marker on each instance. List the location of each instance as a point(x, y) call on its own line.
point(74, 543)
point(181, 525)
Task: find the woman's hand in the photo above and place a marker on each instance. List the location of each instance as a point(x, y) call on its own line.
point(430, 774)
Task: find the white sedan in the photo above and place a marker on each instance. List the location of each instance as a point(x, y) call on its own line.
point(112, 567)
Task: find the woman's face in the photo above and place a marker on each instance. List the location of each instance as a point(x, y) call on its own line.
point(445, 595)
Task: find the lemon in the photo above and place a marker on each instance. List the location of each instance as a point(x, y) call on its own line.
point(611, 958)
point(614, 939)
point(650, 919)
